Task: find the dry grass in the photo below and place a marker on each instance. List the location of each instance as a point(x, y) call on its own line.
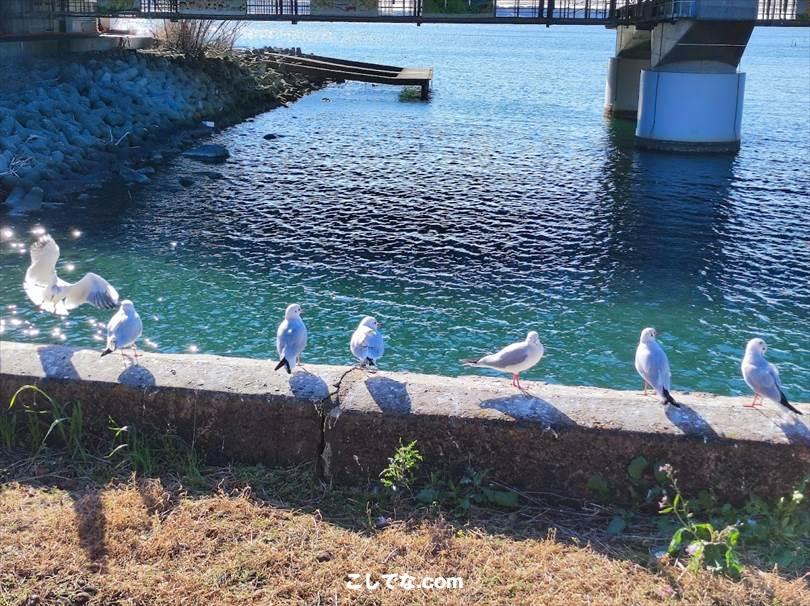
point(198, 38)
point(69, 539)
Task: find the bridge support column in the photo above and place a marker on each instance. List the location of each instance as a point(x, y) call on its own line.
point(624, 72)
point(690, 110)
point(691, 99)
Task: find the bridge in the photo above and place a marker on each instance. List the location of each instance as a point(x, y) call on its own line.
point(609, 13)
point(674, 69)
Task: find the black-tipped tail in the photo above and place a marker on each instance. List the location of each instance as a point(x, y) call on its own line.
point(668, 399)
point(285, 364)
point(370, 362)
point(784, 402)
point(106, 351)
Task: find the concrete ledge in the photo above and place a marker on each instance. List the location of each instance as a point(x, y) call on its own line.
point(555, 439)
point(50, 44)
point(558, 437)
point(232, 409)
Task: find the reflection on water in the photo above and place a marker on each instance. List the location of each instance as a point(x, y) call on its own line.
point(507, 203)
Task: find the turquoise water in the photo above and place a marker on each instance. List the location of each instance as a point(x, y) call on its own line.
point(506, 203)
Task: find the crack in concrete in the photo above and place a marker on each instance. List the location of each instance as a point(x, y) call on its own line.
point(332, 402)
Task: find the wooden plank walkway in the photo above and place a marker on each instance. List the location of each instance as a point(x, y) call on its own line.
point(341, 69)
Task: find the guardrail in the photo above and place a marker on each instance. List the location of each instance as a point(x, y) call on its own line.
point(604, 12)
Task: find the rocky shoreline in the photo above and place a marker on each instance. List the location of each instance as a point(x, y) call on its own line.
point(70, 124)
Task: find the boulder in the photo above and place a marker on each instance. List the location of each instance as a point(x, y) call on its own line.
point(211, 174)
point(22, 202)
point(133, 176)
point(208, 153)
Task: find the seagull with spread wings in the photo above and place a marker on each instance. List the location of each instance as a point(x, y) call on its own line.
point(57, 296)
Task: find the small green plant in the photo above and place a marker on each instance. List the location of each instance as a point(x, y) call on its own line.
point(401, 470)
point(781, 530)
point(64, 422)
point(149, 454)
point(702, 543)
point(471, 489)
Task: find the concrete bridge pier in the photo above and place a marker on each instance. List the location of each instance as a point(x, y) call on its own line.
point(691, 98)
point(624, 71)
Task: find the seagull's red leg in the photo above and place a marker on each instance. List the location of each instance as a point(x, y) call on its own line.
point(644, 387)
point(514, 376)
point(753, 402)
point(517, 382)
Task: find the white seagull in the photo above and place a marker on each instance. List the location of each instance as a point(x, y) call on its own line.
point(291, 338)
point(515, 358)
point(367, 344)
point(762, 376)
point(123, 329)
point(53, 294)
point(653, 366)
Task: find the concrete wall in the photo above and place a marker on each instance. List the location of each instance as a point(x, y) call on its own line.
point(554, 439)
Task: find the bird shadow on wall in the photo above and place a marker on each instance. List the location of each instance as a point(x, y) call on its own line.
point(795, 430)
point(527, 407)
point(136, 376)
point(56, 362)
point(689, 421)
point(308, 386)
point(389, 395)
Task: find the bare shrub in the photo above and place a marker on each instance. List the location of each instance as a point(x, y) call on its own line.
point(198, 38)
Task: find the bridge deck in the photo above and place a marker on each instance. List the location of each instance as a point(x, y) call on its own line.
point(584, 12)
point(340, 69)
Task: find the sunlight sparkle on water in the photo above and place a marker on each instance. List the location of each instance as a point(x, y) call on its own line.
point(38, 230)
point(70, 267)
point(76, 233)
point(6, 233)
point(193, 349)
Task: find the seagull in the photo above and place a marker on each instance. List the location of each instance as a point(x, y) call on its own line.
point(515, 358)
point(367, 343)
point(762, 376)
point(653, 366)
point(123, 329)
point(53, 294)
point(291, 338)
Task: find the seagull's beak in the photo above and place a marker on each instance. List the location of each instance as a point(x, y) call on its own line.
point(380, 324)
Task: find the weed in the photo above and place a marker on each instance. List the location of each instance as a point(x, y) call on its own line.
point(64, 422)
point(470, 490)
point(401, 470)
point(704, 545)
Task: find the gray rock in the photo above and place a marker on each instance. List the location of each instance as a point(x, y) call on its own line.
point(22, 202)
point(16, 196)
point(211, 174)
point(133, 176)
point(209, 153)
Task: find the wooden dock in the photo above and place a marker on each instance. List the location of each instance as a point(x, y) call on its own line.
point(341, 69)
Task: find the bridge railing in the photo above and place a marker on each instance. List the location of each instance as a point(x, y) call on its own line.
point(549, 11)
